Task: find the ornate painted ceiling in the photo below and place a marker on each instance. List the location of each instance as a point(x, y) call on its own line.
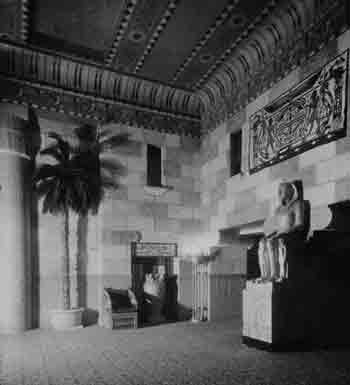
point(173, 42)
point(172, 65)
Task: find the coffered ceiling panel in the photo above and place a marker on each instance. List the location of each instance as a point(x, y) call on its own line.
point(9, 17)
point(79, 27)
point(189, 23)
point(235, 25)
point(146, 17)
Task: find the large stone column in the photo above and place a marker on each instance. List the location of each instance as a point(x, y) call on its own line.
point(15, 232)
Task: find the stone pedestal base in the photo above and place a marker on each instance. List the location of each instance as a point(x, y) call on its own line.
point(275, 315)
point(284, 316)
point(257, 312)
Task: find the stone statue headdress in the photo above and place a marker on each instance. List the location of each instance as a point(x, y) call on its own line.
point(294, 194)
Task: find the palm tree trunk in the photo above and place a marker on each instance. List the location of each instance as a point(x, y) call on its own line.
point(80, 261)
point(65, 261)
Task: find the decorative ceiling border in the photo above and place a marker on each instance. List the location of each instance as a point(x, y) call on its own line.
point(21, 62)
point(241, 38)
point(79, 106)
point(123, 23)
point(205, 38)
point(291, 35)
point(156, 34)
point(24, 20)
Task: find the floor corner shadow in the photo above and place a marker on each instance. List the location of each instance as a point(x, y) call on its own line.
point(90, 317)
point(184, 313)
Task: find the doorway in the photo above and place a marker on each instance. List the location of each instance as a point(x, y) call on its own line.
point(143, 266)
point(154, 282)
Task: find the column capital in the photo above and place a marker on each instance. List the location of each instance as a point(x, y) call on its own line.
point(15, 135)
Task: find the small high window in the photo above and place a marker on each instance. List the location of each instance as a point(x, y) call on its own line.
point(236, 152)
point(154, 165)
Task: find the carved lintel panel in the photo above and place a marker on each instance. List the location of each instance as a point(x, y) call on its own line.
point(151, 249)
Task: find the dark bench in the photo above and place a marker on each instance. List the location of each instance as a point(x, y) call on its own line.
point(120, 309)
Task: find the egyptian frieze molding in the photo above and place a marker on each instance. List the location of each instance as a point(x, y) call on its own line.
point(81, 106)
point(292, 34)
point(83, 90)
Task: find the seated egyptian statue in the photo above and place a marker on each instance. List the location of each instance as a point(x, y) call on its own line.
point(283, 231)
point(154, 284)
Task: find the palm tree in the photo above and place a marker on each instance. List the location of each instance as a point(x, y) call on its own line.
point(61, 184)
point(94, 155)
point(77, 180)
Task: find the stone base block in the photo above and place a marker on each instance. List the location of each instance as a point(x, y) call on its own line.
point(284, 316)
point(275, 314)
point(257, 312)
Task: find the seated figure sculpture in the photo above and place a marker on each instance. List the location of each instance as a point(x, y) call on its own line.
point(154, 291)
point(283, 230)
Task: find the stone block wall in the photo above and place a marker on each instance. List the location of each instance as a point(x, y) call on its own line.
point(244, 199)
point(203, 199)
point(241, 199)
point(132, 214)
point(126, 215)
point(226, 281)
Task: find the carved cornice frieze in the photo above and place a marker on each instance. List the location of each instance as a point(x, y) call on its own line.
point(82, 106)
point(292, 34)
point(123, 97)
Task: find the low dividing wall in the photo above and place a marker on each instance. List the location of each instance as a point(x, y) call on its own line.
point(225, 296)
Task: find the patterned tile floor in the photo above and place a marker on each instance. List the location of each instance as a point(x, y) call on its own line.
point(182, 353)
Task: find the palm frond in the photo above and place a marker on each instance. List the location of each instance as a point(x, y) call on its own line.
point(104, 132)
point(43, 187)
point(112, 166)
point(113, 141)
point(63, 145)
point(50, 203)
point(85, 158)
point(108, 183)
point(82, 174)
point(86, 133)
point(55, 152)
point(46, 171)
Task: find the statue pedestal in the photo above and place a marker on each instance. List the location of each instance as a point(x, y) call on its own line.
point(289, 315)
point(275, 315)
point(257, 312)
